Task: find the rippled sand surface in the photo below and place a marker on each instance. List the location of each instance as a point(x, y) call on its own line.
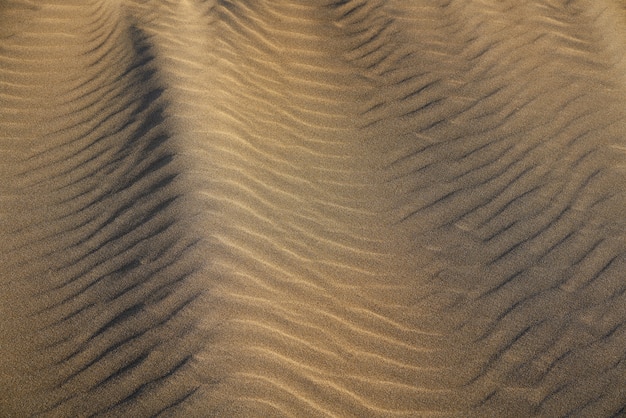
point(357, 208)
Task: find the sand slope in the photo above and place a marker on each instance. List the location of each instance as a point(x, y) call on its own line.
point(312, 208)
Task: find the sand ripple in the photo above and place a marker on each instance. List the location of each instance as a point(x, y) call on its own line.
point(321, 208)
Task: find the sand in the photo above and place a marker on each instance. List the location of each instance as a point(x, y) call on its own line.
point(357, 208)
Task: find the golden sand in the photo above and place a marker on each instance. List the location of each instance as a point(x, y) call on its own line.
point(357, 208)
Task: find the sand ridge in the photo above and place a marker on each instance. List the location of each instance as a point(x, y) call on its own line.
point(321, 208)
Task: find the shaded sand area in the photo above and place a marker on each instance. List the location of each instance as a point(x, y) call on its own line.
point(353, 208)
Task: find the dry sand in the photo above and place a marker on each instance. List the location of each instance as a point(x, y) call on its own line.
point(353, 208)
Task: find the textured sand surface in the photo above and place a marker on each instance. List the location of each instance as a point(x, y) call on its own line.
point(357, 208)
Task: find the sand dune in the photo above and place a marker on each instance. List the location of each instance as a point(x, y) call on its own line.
point(312, 208)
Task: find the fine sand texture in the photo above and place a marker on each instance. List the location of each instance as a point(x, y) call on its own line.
point(312, 208)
